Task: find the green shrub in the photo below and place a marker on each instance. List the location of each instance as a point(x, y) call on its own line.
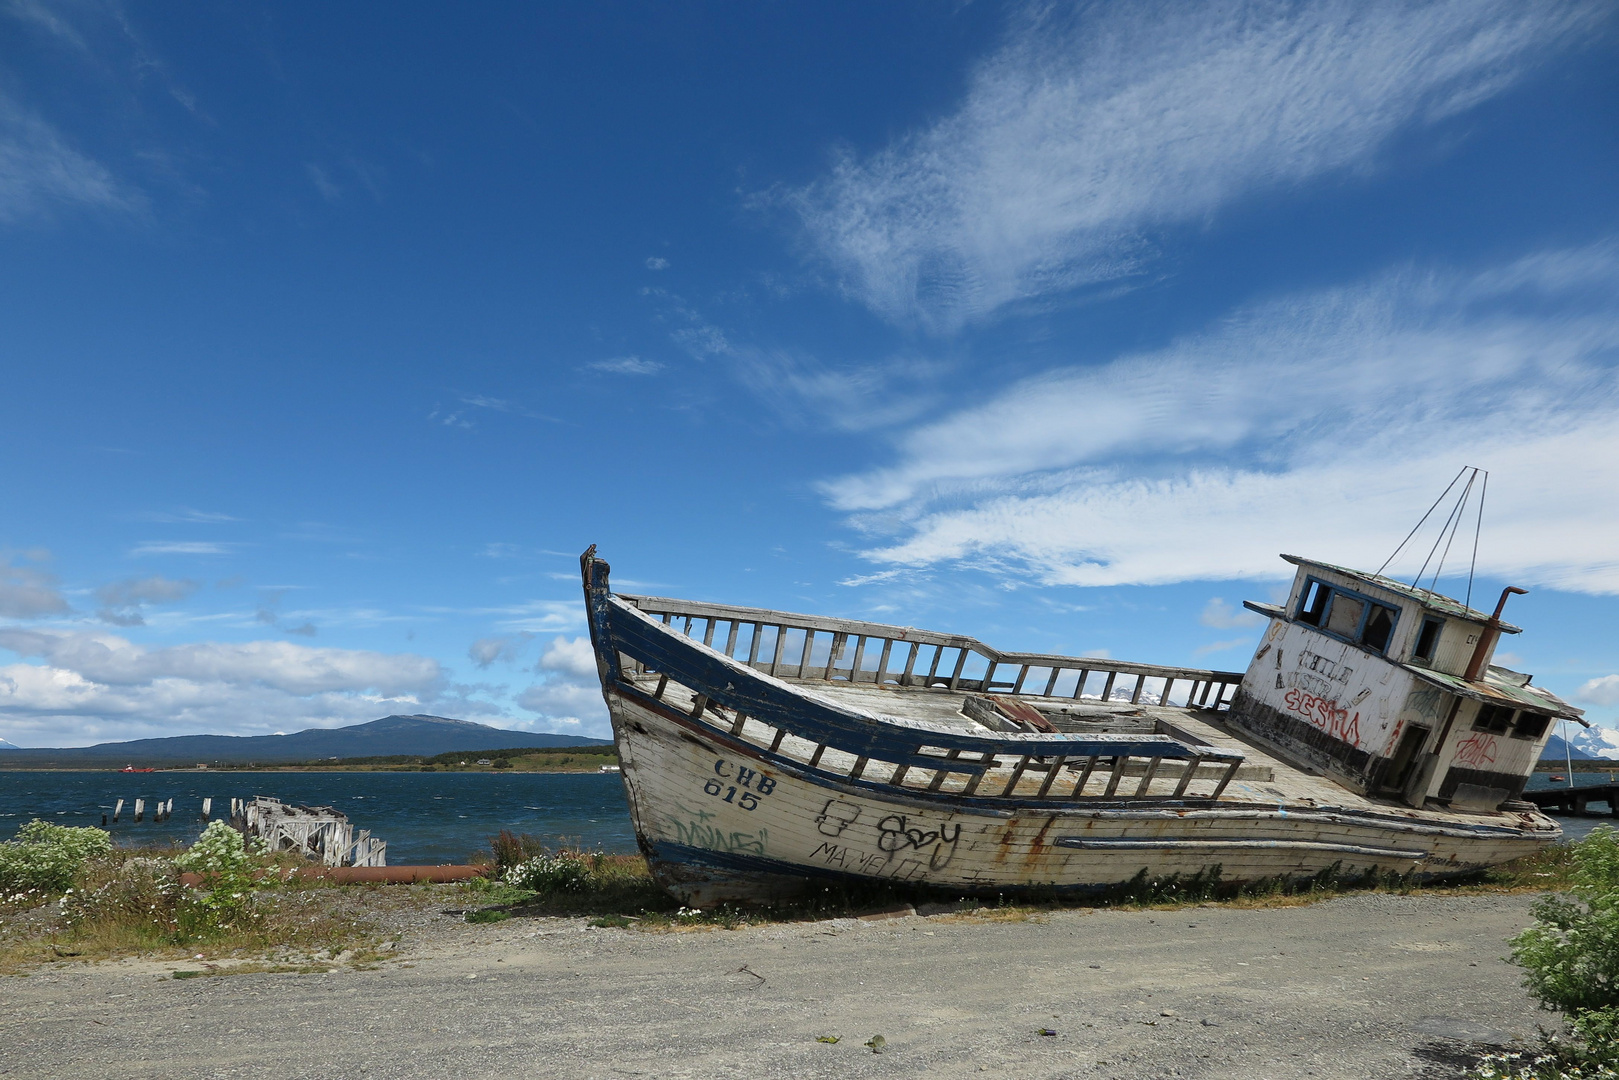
point(48, 858)
point(1571, 954)
point(227, 865)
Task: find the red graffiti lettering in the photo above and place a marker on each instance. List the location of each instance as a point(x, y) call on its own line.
point(1325, 714)
point(1476, 750)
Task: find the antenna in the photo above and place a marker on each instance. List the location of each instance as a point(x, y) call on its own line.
point(1476, 479)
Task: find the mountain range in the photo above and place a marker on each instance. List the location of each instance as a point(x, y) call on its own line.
point(424, 735)
point(1589, 743)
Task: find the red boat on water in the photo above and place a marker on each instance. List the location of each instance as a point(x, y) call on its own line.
point(131, 768)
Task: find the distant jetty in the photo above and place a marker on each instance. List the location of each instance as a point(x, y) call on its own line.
point(316, 832)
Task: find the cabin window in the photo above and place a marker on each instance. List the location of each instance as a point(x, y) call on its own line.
point(1494, 719)
point(1530, 725)
point(1428, 639)
point(1313, 605)
point(1379, 627)
point(1343, 617)
point(1347, 615)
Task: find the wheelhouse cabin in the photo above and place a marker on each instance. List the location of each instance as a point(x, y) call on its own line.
point(1390, 690)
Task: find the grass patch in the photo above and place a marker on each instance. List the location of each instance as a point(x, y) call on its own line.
point(130, 903)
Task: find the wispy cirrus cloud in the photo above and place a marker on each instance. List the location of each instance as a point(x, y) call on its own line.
point(1322, 422)
point(41, 174)
point(625, 365)
point(181, 547)
point(1095, 128)
point(187, 516)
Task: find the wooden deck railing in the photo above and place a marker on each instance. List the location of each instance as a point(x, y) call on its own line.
point(810, 648)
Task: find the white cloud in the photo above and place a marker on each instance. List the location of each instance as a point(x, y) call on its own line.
point(121, 601)
point(484, 401)
point(655, 262)
point(1089, 132)
point(1321, 424)
point(91, 687)
point(297, 669)
point(180, 547)
point(625, 365)
point(1221, 646)
point(1223, 616)
point(559, 702)
point(570, 656)
point(151, 590)
point(40, 173)
point(1603, 691)
point(322, 182)
point(568, 692)
point(486, 651)
point(187, 515)
point(27, 592)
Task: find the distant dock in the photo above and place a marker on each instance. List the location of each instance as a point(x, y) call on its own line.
point(1577, 799)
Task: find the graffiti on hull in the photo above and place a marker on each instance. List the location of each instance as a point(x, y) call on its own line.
point(1476, 750)
point(695, 830)
point(1324, 713)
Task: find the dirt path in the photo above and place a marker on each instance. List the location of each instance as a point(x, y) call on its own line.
point(1364, 986)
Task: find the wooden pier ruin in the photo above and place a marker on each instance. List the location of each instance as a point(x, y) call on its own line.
point(316, 832)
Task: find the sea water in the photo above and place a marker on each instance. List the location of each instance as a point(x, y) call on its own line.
point(425, 817)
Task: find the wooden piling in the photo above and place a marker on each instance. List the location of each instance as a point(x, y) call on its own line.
point(140, 809)
point(207, 808)
point(116, 810)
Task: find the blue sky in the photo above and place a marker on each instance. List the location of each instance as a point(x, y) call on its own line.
point(333, 335)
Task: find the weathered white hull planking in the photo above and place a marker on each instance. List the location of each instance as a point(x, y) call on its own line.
point(805, 750)
point(707, 845)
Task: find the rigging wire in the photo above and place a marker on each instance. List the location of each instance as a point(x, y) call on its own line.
point(1460, 507)
point(1449, 524)
point(1419, 524)
point(1477, 528)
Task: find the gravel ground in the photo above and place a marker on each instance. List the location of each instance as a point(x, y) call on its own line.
point(1363, 986)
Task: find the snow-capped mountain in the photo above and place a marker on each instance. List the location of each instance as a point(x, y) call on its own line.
point(1592, 742)
point(8, 746)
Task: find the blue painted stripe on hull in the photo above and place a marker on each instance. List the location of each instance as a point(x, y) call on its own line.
point(1088, 844)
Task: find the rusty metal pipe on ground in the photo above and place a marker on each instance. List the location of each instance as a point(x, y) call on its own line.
point(362, 875)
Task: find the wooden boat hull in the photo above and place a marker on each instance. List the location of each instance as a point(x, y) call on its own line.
point(720, 820)
point(757, 768)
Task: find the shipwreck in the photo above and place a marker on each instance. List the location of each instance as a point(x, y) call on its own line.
point(764, 752)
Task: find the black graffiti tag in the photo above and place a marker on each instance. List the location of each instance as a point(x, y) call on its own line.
point(836, 816)
point(894, 833)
